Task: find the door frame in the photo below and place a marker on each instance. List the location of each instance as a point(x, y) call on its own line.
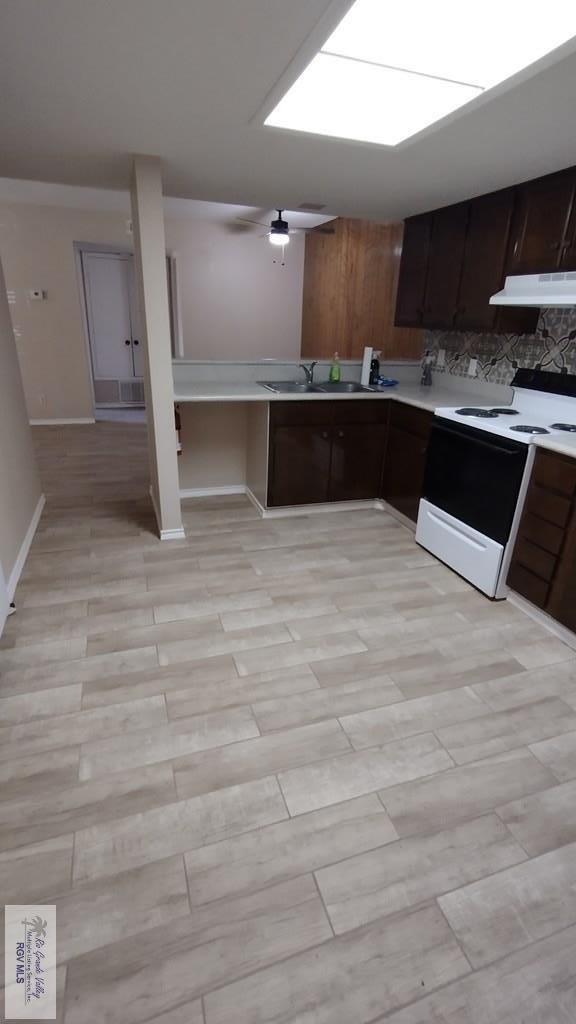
point(174, 295)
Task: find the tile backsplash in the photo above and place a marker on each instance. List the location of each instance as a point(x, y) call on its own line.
point(552, 347)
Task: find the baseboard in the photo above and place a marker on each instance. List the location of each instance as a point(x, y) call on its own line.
point(306, 510)
point(543, 619)
point(399, 516)
point(61, 423)
point(252, 497)
point(209, 492)
point(16, 573)
point(176, 534)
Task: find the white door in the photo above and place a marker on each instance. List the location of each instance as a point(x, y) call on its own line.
point(111, 314)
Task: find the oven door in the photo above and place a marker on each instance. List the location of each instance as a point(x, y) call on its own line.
point(475, 477)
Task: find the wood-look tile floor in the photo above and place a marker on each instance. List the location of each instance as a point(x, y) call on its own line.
point(291, 771)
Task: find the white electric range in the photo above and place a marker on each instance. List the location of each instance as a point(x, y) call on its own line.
point(477, 471)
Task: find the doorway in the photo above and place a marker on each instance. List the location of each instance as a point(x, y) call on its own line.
point(112, 319)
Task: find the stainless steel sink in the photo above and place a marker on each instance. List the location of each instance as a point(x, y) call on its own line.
point(342, 387)
point(287, 387)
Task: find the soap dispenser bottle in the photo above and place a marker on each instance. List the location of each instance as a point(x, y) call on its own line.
point(335, 370)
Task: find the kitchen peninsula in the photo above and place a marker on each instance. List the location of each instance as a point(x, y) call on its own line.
point(286, 451)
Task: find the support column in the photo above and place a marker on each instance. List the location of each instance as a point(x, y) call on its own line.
point(150, 267)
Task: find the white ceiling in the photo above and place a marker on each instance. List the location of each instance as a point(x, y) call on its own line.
point(85, 83)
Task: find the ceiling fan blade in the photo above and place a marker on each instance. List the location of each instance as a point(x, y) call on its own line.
point(245, 220)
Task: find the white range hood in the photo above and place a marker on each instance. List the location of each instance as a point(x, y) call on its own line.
point(555, 289)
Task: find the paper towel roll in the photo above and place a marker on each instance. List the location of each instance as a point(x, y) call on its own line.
point(366, 360)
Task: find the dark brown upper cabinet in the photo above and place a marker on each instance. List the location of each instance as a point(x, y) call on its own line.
point(484, 266)
point(484, 260)
point(540, 235)
point(445, 257)
point(413, 271)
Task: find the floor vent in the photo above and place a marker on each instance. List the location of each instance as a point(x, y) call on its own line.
point(119, 392)
point(132, 391)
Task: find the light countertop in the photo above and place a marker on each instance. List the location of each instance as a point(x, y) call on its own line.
point(564, 444)
point(413, 394)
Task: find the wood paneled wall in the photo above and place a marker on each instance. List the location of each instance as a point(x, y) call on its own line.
point(350, 281)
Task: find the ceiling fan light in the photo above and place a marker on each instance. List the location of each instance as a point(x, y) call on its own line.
point(277, 237)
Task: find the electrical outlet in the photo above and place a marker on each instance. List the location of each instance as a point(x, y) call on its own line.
point(472, 367)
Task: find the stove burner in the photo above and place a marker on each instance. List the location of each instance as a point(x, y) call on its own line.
point(506, 412)
point(524, 428)
point(570, 428)
point(481, 413)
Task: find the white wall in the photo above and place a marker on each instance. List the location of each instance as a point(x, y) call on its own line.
point(236, 303)
point(20, 491)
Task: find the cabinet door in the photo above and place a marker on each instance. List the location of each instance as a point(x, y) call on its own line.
point(405, 458)
point(357, 457)
point(568, 253)
point(445, 265)
point(413, 268)
point(541, 223)
point(299, 465)
point(484, 260)
point(562, 599)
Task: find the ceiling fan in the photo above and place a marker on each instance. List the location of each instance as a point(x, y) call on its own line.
point(279, 230)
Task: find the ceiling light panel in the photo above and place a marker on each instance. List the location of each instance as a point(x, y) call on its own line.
point(389, 71)
point(353, 100)
point(480, 43)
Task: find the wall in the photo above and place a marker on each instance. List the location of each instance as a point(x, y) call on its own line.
point(20, 491)
point(36, 247)
point(553, 347)
point(213, 445)
point(350, 282)
point(236, 303)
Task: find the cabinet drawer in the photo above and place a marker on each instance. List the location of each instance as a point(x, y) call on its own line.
point(545, 535)
point(528, 585)
point(373, 410)
point(555, 508)
point(555, 473)
point(301, 414)
point(540, 562)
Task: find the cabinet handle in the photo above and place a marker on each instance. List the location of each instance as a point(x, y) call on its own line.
point(340, 433)
point(127, 342)
point(516, 246)
point(325, 435)
point(136, 342)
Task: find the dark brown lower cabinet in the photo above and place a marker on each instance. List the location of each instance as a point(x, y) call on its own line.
point(543, 567)
point(408, 434)
point(325, 451)
point(357, 455)
point(300, 464)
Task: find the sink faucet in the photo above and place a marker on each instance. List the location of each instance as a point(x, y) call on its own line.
point(309, 371)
